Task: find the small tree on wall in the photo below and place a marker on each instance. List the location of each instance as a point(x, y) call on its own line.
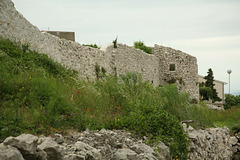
point(115, 43)
point(207, 90)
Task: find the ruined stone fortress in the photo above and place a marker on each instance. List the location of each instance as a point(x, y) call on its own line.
point(163, 66)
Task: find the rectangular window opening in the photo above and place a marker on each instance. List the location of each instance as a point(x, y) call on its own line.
point(172, 67)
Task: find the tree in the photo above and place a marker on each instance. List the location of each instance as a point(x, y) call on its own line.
point(206, 93)
point(231, 100)
point(209, 84)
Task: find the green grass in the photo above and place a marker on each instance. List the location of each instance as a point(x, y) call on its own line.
point(229, 118)
point(32, 92)
point(40, 96)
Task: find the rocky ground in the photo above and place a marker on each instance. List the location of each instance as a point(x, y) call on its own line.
point(88, 145)
point(211, 143)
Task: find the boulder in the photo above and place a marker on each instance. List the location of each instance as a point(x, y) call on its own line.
point(163, 151)
point(41, 155)
point(87, 150)
point(233, 140)
point(9, 153)
point(25, 143)
point(58, 138)
point(145, 152)
point(235, 149)
point(52, 149)
point(124, 154)
point(142, 148)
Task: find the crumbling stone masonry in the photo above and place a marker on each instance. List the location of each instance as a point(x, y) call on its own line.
point(165, 65)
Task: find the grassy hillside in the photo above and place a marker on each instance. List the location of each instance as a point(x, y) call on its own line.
point(40, 96)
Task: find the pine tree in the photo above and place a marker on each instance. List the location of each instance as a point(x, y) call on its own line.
point(210, 83)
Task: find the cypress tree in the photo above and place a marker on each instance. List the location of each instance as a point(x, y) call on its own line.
point(210, 83)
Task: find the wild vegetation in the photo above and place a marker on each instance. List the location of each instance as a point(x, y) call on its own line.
point(115, 43)
point(142, 46)
point(39, 96)
point(231, 101)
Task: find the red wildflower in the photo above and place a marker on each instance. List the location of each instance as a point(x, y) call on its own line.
point(88, 109)
point(79, 92)
point(119, 107)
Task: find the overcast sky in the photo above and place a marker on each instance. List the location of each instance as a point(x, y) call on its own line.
point(206, 29)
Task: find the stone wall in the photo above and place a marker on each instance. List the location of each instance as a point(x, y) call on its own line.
point(208, 144)
point(129, 59)
point(235, 141)
point(186, 69)
point(154, 68)
point(65, 35)
point(211, 143)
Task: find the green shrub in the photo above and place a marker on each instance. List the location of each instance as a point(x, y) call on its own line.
point(141, 45)
point(144, 112)
point(206, 93)
point(158, 124)
point(231, 100)
point(236, 129)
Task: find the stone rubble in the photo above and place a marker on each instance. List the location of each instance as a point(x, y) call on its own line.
point(88, 145)
point(208, 144)
point(235, 141)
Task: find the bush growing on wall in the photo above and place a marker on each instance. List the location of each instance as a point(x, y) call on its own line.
point(115, 43)
point(100, 71)
point(141, 45)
